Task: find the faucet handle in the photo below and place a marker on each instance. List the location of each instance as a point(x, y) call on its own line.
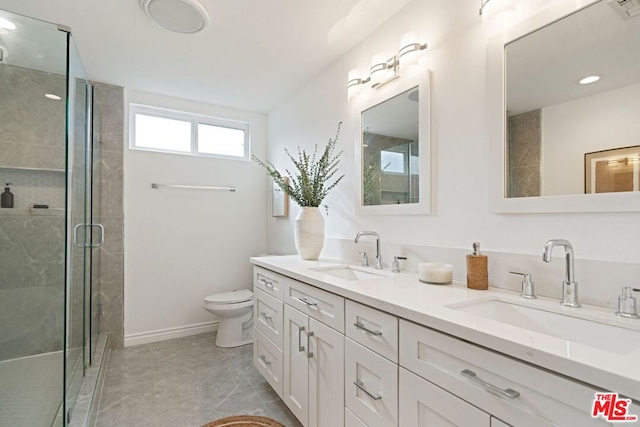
point(395, 266)
point(364, 260)
point(627, 303)
point(528, 291)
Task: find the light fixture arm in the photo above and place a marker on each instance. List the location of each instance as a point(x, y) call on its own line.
point(483, 3)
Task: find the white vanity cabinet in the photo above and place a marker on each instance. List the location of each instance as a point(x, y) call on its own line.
point(516, 393)
point(313, 370)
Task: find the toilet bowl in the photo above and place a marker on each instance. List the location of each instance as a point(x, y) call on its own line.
point(235, 312)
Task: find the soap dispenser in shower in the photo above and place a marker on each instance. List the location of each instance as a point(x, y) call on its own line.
point(6, 199)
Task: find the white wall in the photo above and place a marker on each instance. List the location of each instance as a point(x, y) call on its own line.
point(571, 129)
point(182, 245)
point(457, 57)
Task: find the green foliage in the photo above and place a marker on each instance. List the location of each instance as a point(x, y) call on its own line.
point(313, 178)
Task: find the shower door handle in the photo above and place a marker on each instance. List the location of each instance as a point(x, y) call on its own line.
point(75, 236)
point(101, 227)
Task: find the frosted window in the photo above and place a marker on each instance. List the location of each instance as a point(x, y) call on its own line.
point(221, 140)
point(162, 133)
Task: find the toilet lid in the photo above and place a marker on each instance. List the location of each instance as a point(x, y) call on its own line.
point(232, 297)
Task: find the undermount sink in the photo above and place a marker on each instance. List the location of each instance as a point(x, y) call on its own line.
point(349, 272)
point(594, 334)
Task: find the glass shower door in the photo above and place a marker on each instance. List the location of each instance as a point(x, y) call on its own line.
point(79, 235)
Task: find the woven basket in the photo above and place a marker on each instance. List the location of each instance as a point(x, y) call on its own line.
point(244, 421)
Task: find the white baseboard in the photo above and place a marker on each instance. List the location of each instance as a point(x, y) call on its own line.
point(170, 333)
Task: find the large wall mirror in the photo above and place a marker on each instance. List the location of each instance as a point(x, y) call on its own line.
point(393, 150)
point(563, 144)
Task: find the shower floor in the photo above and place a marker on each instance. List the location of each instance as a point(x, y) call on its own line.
point(31, 391)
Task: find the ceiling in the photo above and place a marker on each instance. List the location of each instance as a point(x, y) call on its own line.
point(543, 67)
point(252, 55)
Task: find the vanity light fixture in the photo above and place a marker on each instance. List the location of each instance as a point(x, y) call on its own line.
point(588, 80)
point(384, 70)
point(5, 23)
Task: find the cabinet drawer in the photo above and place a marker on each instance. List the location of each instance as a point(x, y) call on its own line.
point(469, 371)
point(321, 305)
point(375, 399)
point(268, 359)
point(267, 314)
point(269, 282)
point(373, 329)
point(351, 420)
point(423, 404)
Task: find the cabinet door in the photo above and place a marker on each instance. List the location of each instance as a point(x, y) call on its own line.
point(423, 404)
point(326, 376)
point(371, 386)
point(296, 363)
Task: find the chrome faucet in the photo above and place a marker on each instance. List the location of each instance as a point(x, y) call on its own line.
point(378, 255)
point(569, 285)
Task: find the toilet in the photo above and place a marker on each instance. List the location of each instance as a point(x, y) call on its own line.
point(235, 311)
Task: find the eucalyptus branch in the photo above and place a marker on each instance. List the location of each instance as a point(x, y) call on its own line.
point(313, 176)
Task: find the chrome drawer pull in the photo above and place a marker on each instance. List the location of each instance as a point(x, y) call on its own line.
point(265, 315)
point(309, 352)
point(359, 384)
point(364, 328)
point(300, 331)
point(509, 393)
point(309, 303)
point(266, 283)
point(264, 359)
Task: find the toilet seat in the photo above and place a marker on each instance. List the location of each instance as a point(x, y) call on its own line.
point(232, 297)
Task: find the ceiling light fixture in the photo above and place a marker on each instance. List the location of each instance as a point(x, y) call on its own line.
point(588, 80)
point(52, 96)
point(180, 16)
point(5, 23)
point(383, 70)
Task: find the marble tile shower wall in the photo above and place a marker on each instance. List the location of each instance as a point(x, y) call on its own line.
point(109, 129)
point(32, 135)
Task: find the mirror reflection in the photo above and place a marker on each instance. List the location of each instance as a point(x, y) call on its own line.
point(390, 151)
point(566, 135)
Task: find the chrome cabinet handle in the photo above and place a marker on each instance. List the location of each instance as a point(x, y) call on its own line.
point(264, 359)
point(101, 227)
point(265, 315)
point(309, 352)
point(266, 283)
point(301, 329)
point(360, 385)
point(508, 393)
point(309, 303)
point(364, 328)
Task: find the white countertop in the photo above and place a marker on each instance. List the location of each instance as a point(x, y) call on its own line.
point(403, 295)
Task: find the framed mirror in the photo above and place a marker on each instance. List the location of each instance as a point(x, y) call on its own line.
point(549, 127)
point(393, 149)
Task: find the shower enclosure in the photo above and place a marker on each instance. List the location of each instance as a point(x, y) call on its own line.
point(49, 304)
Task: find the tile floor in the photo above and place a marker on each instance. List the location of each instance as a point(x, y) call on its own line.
point(185, 382)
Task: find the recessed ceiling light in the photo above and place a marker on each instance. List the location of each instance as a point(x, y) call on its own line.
point(5, 23)
point(588, 80)
point(52, 96)
point(181, 16)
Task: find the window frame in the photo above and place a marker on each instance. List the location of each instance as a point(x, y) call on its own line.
point(195, 120)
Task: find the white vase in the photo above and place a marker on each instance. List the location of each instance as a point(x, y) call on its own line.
point(309, 233)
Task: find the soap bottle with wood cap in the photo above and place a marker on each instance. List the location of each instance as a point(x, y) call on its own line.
point(477, 269)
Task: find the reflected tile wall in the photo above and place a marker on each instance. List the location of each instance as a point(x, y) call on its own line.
point(109, 129)
point(32, 285)
point(524, 151)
